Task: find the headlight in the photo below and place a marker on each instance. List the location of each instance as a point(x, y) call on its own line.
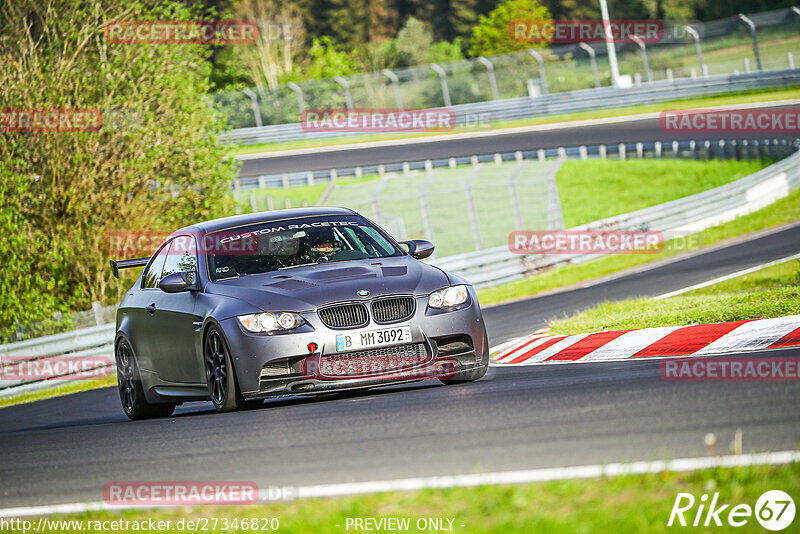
point(448, 297)
point(270, 322)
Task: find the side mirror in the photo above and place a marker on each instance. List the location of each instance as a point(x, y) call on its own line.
point(178, 282)
point(419, 248)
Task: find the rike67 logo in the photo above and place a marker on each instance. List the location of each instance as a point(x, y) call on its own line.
point(774, 511)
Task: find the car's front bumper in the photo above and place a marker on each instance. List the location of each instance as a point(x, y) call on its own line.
point(440, 333)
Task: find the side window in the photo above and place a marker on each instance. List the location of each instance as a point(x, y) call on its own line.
point(182, 256)
point(152, 275)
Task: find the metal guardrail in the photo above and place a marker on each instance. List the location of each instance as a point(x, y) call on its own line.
point(554, 104)
point(679, 217)
point(483, 268)
point(92, 342)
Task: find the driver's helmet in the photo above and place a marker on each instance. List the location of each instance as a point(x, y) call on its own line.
point(323, 242)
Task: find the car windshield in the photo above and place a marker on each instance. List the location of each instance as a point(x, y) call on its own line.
point(276, 245)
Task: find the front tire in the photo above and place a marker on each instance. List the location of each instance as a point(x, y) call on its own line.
point(220, 375)
point(131, 392)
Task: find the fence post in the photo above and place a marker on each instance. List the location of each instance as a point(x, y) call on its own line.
point(602, 150)
point(346, 86)
point(752, 27)
point(512, 191)
point(396, 83)
point(98, 312)
point(638, 41)
point(589, 50)
point(473, 214)
point(691, 31)
point(443, 81)
point(622, 151)
point(254, 102)
point(301, 103)
point(658, 149)
point(253, 204)
point(542, 73)
point(555, 217)
point(423, 206)
point(790, 57)
point(492, 79)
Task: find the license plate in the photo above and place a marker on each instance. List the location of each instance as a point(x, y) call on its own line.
point(373, 338)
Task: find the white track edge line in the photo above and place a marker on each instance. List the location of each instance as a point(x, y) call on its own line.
point(727, 277)
point(469, 480)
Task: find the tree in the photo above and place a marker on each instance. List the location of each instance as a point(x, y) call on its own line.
point(155, 164)
point(493, 33)
point(280, 38)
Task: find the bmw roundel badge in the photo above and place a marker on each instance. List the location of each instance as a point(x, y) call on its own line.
point(363, 293)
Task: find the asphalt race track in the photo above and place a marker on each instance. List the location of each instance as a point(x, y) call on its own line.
point(66, 449)
point(631, 131)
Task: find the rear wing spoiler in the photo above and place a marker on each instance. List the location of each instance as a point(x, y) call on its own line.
point(127, 264)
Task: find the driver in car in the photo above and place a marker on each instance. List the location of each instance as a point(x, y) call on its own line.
point(321, 243)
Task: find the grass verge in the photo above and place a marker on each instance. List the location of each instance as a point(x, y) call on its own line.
point(59, 391)
point(783, 211)
point(629, 503)
point(771, 292)
point(720, 100)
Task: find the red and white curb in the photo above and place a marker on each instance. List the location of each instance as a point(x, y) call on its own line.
point(702, 339)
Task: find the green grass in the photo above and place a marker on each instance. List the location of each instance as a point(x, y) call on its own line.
point(783, 211)
point(58, 391)
point(623, 504)
point(721, 100)
point(595, 189)
point(770, 292)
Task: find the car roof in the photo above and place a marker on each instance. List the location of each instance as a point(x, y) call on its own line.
point(246, 219)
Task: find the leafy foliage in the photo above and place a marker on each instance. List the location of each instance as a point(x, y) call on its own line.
point(156, 163)
point(492, 36)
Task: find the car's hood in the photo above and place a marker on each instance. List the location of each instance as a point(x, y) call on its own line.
point(306, 288)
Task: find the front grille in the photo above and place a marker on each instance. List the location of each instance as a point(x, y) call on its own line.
point(344, 315)
point(373, 362)
point(392, 309)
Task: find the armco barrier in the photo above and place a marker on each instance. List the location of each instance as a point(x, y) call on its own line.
point(86, 342)
point(555, 103)
point(493, 266)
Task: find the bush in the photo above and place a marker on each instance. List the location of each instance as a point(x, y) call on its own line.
point(156, 163)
